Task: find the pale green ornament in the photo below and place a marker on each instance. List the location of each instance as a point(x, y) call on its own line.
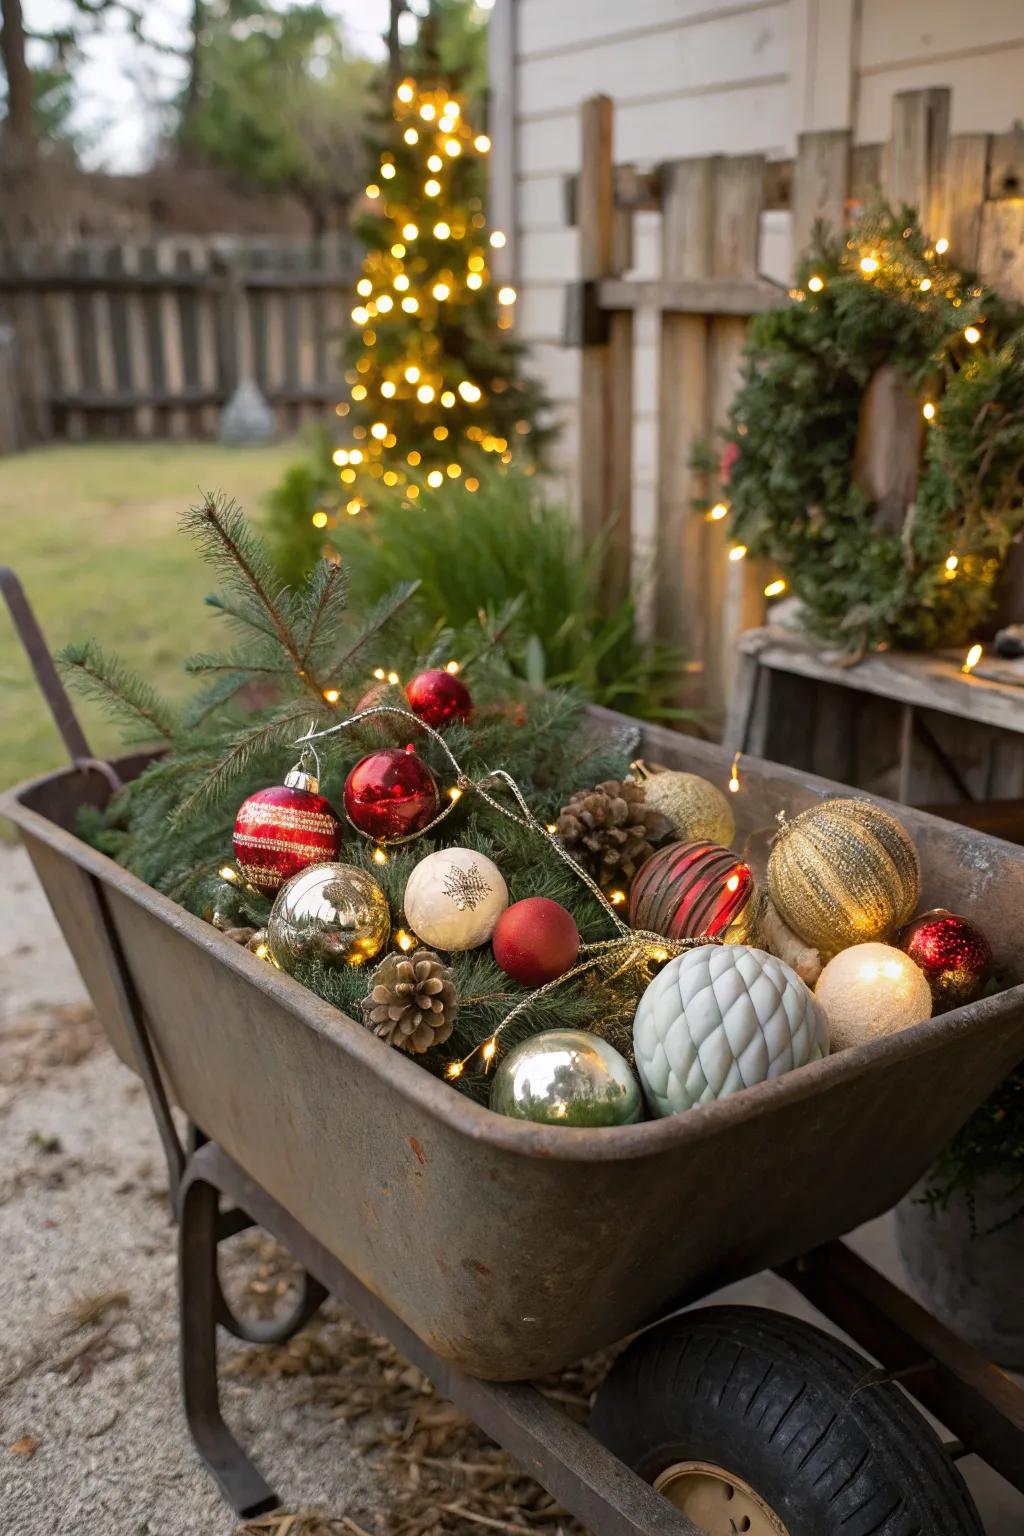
point(567, 1077)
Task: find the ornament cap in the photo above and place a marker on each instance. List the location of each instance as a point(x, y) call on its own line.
point(301, 778)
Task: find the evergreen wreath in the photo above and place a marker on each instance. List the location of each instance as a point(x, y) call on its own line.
point(883, 297)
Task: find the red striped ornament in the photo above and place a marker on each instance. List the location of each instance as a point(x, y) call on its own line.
point(689, 891)
point(282, 829)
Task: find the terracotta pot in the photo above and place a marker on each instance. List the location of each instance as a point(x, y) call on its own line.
point(970, 1277)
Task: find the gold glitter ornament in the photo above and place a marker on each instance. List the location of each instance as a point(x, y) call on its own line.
point(697, 810)
point(843, 872)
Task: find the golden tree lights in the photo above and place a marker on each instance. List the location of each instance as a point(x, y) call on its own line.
point(419, 410)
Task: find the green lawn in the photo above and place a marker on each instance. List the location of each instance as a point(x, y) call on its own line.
point(92, 532)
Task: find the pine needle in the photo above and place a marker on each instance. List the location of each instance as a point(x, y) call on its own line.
point(125, 697)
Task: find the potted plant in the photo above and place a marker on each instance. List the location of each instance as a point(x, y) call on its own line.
point(961, 1228)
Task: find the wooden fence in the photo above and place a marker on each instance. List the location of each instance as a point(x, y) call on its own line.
point(968, 187)
point(126, 340)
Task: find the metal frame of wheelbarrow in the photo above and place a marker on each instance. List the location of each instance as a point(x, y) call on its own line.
point(978, 1403)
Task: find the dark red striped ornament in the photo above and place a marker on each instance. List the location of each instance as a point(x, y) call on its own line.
point(689, 891)
point(280, 830)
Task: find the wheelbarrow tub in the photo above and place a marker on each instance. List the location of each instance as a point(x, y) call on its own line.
point(510, 1248)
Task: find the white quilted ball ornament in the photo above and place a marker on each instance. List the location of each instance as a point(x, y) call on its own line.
point(721, 1018)
point(454, 897)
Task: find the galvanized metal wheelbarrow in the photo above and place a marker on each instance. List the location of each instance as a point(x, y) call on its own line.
point(491, 1251)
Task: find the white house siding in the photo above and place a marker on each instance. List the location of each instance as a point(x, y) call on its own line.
point(695, 77)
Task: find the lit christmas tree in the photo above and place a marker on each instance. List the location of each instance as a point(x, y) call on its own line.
point(435, 391)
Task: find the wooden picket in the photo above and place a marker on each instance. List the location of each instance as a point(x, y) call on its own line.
point(966, 188)
point(143, 340)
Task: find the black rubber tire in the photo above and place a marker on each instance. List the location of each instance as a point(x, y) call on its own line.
point(795, 1413)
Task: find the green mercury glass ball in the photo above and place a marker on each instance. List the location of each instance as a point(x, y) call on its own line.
point(334, 913)
point(566, 1077)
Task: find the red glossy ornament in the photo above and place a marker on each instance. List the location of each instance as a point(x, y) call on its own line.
point(953, 953)
point(689, 891)
point(535, 941)
point(438, 697)
point(280, 830)
point(391, 793)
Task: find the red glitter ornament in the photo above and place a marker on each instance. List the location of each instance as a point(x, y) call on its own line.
point(535, 941)
point(689, 891)
point(391, 793)
point(438, 697)
point(280, 830)
point(953, 953)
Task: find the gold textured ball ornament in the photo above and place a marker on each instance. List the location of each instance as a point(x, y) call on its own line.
point(843, 872)
point(869, 991)
point(697, 811)
point(334, 913)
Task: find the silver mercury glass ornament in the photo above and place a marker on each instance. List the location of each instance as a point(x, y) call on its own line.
point(334, 913)
point(566, 1077)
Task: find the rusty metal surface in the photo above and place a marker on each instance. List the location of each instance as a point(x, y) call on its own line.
point(607, 1496)
point(512, 1249)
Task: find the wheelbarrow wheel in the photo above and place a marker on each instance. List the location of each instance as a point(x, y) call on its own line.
point(752, 1422)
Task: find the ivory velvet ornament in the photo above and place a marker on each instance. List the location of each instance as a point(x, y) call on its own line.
point(334, 913)
point(869, 991)
point(281, 829)
point(721, 1018)
point(566, 1077)
point(696, 809)
point(843, 872)
point(535, 941)
point(454, 897)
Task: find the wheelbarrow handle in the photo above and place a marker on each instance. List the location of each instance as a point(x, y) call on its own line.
point(48, 678)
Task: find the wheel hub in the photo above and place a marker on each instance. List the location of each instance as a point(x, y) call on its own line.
point(718, 1501)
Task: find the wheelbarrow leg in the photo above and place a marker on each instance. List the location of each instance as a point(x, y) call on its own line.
point(199, 1295)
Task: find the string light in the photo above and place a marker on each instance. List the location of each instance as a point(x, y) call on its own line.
point(435, 478)
point(442, 230)
point(319, 519)
point(506, 295)
point(815, 284)
point(432, 188)
point(941, 246)
point(481, 143)
point(869, 264)
point(972, 335)
point(411, 136)
point(379, 856)
point(718, 511)
point(925, 284)
point(972, 658)
point(952, 561)
point(737, 552)
point(373, 190)
point(928, 410)
point(405, 91)
point(453, 667)
point(497, 239)
point(388, 171)
point(454, 793)
point(734, 776)
point(332, 695)
point(440, 291)
point(474, 280)
point(775, 588)
point(616, 898)
point(410, 231)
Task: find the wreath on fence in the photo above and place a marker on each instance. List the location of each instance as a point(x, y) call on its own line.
point(876, 445)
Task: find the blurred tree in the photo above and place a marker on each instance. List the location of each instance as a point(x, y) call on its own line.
point(18, 120)
point(273, 97)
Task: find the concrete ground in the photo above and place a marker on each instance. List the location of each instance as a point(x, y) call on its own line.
point(91, 1435)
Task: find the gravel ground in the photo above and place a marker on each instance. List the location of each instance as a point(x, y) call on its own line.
point(91, 1434)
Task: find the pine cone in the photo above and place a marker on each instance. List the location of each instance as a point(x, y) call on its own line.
point(411, 1002)
point(610, 830)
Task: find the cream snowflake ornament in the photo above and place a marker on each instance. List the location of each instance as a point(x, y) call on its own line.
point(721, 1018)
point(454, 897)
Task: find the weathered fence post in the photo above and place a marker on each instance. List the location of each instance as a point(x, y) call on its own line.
point(606, 366)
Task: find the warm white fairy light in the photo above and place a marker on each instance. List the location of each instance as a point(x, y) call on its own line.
point(928, 410)
point(972, 658)
point(775, 588)
point(815, 284)
point(737, 552)
point(941, 246)
point(734, 776)
point(718, 511)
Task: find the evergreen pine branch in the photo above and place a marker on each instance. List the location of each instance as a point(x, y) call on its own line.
point(218, 694)
point(225, 540)
point(124, 696)
point(241, 751)
point(324, 601)
point(245, 615)
point(379, 617)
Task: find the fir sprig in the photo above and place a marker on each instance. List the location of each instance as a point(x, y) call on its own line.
point(132, 703)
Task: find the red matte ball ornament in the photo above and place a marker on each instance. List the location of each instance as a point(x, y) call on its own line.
point(439, 697)
point(280, 830)
point(391, 794)
point(953, 953)
point(535, 941)
point(689, 891)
